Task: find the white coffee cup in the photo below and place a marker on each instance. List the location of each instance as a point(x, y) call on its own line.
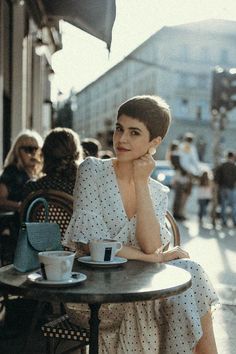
point(56, 265)
point(104, 250)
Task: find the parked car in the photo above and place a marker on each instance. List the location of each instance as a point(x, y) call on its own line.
point(163, 172)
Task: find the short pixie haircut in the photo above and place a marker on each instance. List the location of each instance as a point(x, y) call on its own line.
point(152, 111)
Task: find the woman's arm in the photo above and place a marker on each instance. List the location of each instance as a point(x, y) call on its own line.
point(5, 203)
point(133, 253)
point(159, 256)
point(147, 224)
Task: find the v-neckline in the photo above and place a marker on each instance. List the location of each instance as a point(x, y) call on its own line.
point(119, 196)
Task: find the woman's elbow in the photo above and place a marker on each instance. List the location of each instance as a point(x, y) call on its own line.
point(149, 250)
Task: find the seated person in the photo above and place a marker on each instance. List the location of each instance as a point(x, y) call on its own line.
point(116, 199)
point(62, 154)
point(91, 147)
point(23, 162)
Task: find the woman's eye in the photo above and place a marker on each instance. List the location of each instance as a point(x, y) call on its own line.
point(118, 129)
point(134, 132)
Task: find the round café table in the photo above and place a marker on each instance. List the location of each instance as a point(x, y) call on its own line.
point(132, 281)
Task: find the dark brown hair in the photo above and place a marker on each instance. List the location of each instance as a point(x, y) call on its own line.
point(152, 111)
point(61, 151)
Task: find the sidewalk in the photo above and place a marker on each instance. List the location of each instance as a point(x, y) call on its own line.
point(215, 250)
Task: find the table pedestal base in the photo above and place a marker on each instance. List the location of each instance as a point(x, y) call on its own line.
point(94, 328)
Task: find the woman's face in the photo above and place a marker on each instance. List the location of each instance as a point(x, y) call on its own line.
point(30, 153)
point(130, 139)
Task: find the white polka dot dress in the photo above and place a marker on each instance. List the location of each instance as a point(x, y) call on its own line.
point(170, 326)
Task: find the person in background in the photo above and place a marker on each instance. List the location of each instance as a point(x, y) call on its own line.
point(62, 153)
point(116, 199)
point(23, 162)
point(189, 155)
point(181, 181)
point(105, 154)
point(204, 194)
point(225, 178)
point(91, 147)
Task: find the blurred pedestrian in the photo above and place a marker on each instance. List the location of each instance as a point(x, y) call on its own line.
point(62, 153)
point(204, 194)
point(189, 155)
point(181, 182)
point(225, 178)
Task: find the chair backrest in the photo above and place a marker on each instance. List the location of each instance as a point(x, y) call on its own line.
point(60, 208)
point(173, 228)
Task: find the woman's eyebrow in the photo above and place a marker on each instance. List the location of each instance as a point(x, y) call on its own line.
point(135, 128)
point(130, 128)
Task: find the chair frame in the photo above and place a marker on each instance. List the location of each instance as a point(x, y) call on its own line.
point(174, 228)
point(60, 198)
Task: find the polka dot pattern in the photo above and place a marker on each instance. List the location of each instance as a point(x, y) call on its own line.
point(169, 326)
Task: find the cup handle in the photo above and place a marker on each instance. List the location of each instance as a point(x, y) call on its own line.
point(65, 266)
point(119, 246)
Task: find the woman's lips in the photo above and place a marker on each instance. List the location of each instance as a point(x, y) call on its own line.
point(122, 149)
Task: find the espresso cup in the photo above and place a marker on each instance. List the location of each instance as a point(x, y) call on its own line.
point(56, 265)
point(104, 250)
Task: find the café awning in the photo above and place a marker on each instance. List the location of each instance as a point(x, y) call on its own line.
point(96, 17)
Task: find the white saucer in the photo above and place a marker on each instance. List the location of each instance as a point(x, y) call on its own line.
point(116, 262)
point(75, 278)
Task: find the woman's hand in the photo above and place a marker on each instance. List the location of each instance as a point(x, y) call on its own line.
point(175, 253)
point(143, 167)
point(159, 256)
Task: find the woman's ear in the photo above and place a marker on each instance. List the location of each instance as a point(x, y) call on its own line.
point(154, 144)
point(156, 141)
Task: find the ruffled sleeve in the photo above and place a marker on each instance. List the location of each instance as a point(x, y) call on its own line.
point(87, 222)
point(160, 200)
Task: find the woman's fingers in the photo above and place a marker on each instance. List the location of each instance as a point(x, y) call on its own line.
point(175, 253)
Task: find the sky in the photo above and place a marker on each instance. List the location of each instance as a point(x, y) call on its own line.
point(84, 58)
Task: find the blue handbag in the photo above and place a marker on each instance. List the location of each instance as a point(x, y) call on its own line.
point(35, 237)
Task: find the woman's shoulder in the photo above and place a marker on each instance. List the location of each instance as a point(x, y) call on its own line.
point(158, 187)
point(95, 164)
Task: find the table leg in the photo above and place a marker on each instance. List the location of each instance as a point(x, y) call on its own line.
point(94, 328)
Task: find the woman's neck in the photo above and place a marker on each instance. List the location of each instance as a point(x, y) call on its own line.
point(123, 170)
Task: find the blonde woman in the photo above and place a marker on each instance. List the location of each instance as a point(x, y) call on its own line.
point(23, 162)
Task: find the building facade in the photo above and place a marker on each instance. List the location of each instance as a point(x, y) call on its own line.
point(25, 67)
point(175, 63)
point(29, 36)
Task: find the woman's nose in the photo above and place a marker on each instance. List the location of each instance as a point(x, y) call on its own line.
point(124, 137)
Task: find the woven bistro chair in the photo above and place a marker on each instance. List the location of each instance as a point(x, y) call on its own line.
point(60, 205)
point(60, 208)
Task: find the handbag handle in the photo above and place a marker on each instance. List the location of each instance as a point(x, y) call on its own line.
point(38, 200)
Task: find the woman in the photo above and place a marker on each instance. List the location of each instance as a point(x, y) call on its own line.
point(22, 163)
point(62, 154)
point(115, 198)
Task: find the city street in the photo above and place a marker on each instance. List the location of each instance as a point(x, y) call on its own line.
point(215, 250)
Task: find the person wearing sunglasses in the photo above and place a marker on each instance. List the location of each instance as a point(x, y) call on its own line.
point(23, 162)
point(62, 154)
